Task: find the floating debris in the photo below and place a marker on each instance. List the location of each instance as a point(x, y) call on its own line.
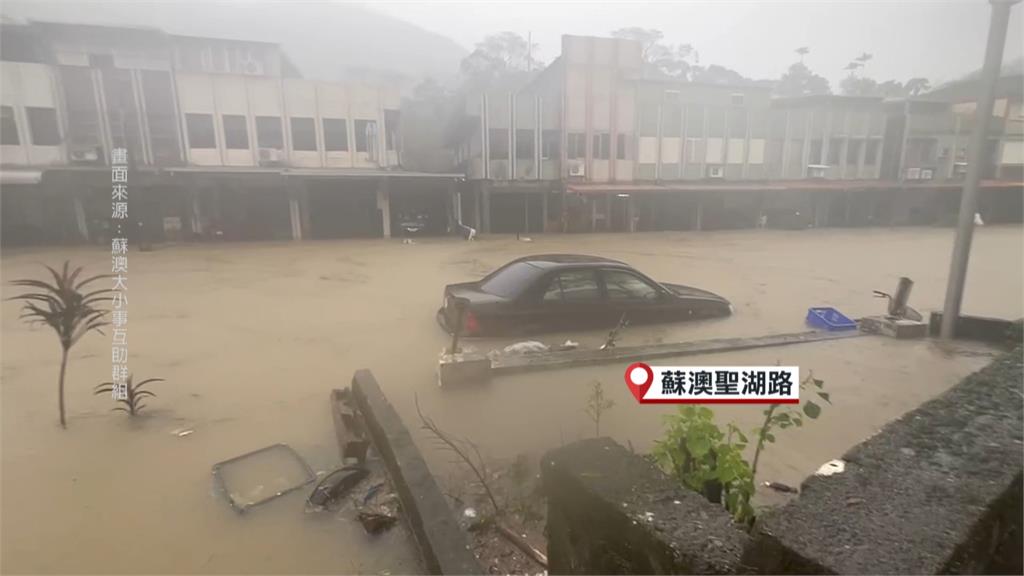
point(780, 487)
point(831, 467)
point(469, 512)
point(375, 523)
point(372, 491)
point(336, 484)
point(569, 345)
point(526, 347)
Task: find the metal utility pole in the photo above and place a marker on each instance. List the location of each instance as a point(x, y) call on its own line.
point(969, 199)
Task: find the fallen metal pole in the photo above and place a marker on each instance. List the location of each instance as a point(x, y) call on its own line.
point(969, 199)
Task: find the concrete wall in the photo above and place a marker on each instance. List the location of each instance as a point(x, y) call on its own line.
point(613, 512)
point(936, 492)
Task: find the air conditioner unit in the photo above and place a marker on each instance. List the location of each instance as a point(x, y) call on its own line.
point(960, 168)
point(271, 156)
point(577, 169)
point(716, 172)
point(817, 171)
point(927, 173)
point(913, 173)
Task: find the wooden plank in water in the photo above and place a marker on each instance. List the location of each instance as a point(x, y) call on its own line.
point(575, 358)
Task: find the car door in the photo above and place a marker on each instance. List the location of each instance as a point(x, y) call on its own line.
point(639, 299)
point(572, 300)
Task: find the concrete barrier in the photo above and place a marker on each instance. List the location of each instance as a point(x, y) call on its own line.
point(937, 491)
point(443, 546)
point(613, 512)
point(997, 330)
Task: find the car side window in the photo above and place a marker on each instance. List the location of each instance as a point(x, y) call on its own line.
point(554, 291)
point(625, 286)
point(573, 286)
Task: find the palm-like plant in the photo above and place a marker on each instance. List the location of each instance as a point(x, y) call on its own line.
point(133, 398)
point(64, 307)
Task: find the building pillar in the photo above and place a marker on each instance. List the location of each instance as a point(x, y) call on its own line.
point(384, 205)
point(526, 212)
point(295, 217)
point(630, 213)
point(485, 207)
point(304, 217)
point(195, 214)
point(477, 209)
point(80, 223)
point(608, 212)
point(545, 196)
point(456, 199)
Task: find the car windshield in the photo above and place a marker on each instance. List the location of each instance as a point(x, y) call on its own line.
point(510, 280)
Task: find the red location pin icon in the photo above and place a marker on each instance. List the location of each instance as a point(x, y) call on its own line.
point(638, 378)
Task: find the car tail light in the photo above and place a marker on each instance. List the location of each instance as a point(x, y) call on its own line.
point(470, 325)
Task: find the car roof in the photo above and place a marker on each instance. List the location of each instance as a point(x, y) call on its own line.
point(569, 260)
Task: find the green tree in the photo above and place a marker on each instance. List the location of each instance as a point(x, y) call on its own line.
point(64, 307)
point(496, 56)
point(660, 58)
point(799, 80)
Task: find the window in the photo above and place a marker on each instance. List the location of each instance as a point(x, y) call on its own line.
point(602, 142)
point(497, 143)
point(200, 131)
point(853, 151)
point(625, 286)
point(524, 144)
point(574, 286)
point(42, 125)
point(835, 149)
point(268, 132)
point(8, 127)
point(738, 123)
point(335, 135)
point(510, 280)
point(694, 120)
point(366, 135)
point(736, 99)
point(815, 157)
point(577, 146)
point(871, 153)
point(236, 135)
point(621, 152)
point(303, 134)
point(551, 144)
point(671, 118)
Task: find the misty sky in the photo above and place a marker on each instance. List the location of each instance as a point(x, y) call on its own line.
point(940, 40)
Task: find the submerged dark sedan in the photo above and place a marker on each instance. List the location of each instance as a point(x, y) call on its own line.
point(570, 292)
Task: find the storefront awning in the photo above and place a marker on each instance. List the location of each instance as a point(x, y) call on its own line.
point(809, 185)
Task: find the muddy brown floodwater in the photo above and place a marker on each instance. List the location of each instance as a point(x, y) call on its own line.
point(251, 337)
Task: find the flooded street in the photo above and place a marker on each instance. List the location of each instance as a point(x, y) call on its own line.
point(251, 338)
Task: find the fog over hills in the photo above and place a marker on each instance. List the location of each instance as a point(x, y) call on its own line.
point(325, 40)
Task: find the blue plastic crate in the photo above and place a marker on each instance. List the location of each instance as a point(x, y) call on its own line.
point(829, 319)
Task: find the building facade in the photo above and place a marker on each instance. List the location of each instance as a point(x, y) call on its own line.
point(592, 144)
point(224, 138)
